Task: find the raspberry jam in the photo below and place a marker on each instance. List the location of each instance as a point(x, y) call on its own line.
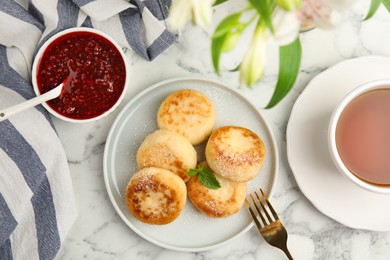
point(97, 74)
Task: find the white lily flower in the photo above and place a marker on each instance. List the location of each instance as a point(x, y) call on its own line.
point(202, 12)
point(286, 26)
point(179, 14)
point(339, 5)
point(323, 13)
point(253, 63)
point(316, 13)
point(182, 11)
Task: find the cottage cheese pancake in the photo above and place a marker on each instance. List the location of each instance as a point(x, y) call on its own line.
point(168, 150)
point(235, 153)
point(189, 113)
point(156, 196)
point(218, 203)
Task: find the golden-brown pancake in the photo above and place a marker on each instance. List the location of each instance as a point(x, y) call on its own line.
point(235, 153)
point(156, 196)
point(189, 113)
point(218, 203)
point(168, 150)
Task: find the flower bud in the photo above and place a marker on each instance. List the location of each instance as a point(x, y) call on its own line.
point(231, 41)
point(182, 11)
point(179, 14)
point(202, 12)
point(253, 63)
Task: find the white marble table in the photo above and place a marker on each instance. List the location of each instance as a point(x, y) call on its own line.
point(99, 233)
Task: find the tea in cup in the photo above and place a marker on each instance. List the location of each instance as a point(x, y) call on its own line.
point(359, 136)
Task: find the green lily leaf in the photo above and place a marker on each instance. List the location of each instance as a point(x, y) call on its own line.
point(264, 8)
point(231, 41)
point(289, 63)
point(216, 50)
point(225, 37)
point(226, 25)
point(288, 4)
point(218, 2)
point(373, 8)
point(386, 3)
point(236, 68)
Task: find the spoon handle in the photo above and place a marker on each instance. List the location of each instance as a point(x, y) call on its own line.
point(7, 112)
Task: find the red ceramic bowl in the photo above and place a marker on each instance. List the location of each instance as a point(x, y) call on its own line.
point(98, 69)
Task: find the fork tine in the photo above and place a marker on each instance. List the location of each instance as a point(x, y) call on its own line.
point(274, 233)
point(269, 205)
point(264, 209)
point(258, 210)
point(253, 214)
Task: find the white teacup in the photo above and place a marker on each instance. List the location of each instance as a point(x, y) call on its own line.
point(362, 105)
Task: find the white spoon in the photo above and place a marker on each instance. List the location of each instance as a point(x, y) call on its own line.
point(52, 94)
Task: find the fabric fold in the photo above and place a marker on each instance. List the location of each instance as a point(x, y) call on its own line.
point(37, 206)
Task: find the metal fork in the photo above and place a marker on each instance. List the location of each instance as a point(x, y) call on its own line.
point(271, 228)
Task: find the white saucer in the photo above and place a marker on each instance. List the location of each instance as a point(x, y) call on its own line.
point(308, 153)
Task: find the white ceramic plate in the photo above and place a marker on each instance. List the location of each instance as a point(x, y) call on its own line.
point(192, 231)
point(308, 153)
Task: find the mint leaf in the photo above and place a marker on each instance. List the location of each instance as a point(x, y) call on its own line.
point(206, 177)
point(193, 172)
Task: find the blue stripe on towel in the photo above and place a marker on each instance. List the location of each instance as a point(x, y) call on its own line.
point(45, 221)
point(81, 3)
point(138, 3)
point(35, 12)
point(159, 8)
point(68, 13)
point(34, 173)
point(161, 43)
point(6, 250)
point(14, 9)
point(11, 79)
point(87, 22)
point(131, 24)
point(7, 221)
point(24, 156)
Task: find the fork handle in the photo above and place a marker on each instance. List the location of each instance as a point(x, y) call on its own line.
point(285, 250)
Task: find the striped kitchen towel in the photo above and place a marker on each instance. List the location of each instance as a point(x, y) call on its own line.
point(37, 207)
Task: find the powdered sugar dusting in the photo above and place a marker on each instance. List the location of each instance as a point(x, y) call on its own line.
point(140, 120)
